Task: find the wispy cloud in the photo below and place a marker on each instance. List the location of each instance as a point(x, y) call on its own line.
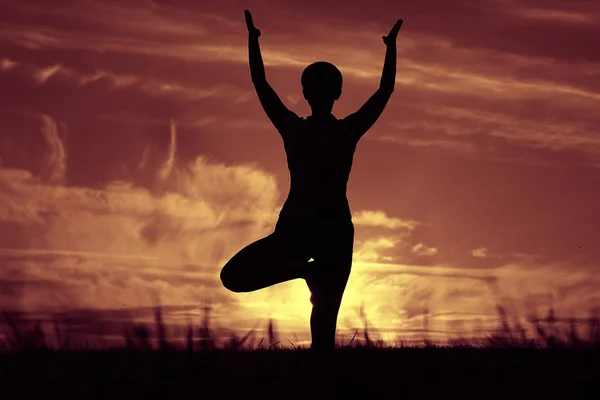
point(556, 15)
point(424, 250)
point(480, 252)
point(556, 11)
point(6, 64)
point(56, 159)
point(378, 218)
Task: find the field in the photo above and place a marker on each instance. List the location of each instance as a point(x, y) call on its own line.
point(507, 364)
point(346, 373)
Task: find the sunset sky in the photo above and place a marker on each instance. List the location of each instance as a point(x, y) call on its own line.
point(135, 158)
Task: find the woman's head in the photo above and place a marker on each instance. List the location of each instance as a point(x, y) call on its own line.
point(321, 83)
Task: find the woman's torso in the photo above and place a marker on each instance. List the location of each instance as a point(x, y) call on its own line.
point(319, 156)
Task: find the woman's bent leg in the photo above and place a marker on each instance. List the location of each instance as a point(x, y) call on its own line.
point(266, 262)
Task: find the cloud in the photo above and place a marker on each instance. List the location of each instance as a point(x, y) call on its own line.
point(43, 74)
point(480, 252)
point(147, 85)
point(556, 15)
point(556, 11)
point(168, 164)
point(424, 250)
point(434, 69)
point(373, 250)
point(433, 291)
point(56, 160)
point(378, 218)
point(454, 145)
point(122, 244)
point(6, 64)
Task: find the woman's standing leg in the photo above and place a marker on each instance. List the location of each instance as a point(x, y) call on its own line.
point(327, 282)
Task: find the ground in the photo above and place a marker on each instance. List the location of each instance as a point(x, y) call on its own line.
point(283, 374)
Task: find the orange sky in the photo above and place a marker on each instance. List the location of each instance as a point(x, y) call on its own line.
point(135, 158)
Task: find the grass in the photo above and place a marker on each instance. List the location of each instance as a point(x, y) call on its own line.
point(557, 359)
point(548, 332)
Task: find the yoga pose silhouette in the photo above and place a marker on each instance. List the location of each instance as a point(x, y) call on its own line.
point(315, 221)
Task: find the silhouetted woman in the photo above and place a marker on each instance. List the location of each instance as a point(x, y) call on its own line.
point(315, 221)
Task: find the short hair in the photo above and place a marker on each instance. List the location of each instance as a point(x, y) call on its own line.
point(322, 77)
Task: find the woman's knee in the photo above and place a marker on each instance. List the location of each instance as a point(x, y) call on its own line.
point(230, 279)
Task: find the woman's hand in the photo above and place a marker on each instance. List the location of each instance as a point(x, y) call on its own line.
point(252, 31)
point(390, 39)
